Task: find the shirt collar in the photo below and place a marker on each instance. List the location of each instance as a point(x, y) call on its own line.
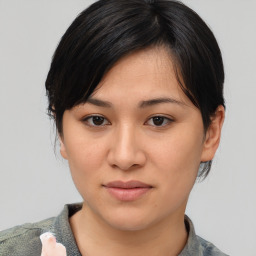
point(62, 230)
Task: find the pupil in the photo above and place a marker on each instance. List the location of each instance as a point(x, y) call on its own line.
point(158, 120)
point(98, 120)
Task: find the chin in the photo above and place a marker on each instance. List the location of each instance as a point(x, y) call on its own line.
point(129, 225)
point(129, 221)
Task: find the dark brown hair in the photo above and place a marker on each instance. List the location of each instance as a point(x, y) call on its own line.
point(111, 29)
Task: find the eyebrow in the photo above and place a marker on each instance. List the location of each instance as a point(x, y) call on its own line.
point(99, 103)
point(151, 102)
point(142, 104)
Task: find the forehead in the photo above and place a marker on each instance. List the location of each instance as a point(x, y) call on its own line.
point(141, 75)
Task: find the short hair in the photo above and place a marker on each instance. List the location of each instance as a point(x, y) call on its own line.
point(110, 29)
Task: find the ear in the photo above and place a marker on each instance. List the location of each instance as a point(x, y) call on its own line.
point(63, 151)
point(213, 134)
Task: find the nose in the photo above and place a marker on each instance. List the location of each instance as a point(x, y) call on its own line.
point(125, 151)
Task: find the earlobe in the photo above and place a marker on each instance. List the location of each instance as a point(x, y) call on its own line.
point(62, 148)
point(213, 134)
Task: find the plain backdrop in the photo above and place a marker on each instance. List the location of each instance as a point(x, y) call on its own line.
point(35, 183)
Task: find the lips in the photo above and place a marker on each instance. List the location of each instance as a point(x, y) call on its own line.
point(128, 184)
point(127, 191)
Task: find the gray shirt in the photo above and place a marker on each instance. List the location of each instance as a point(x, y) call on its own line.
point(24, 240)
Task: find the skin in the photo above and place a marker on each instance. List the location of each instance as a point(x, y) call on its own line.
point(128, 144)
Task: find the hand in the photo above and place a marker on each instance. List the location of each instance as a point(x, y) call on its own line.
point(50, 246)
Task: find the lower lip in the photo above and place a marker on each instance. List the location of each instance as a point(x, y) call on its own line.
point(127, 194)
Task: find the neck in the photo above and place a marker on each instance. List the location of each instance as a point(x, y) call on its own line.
point(95, 237)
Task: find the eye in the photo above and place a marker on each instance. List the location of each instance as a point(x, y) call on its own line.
point(159, 121)
point(96, 120)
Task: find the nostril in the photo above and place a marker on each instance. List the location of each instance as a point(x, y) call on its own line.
point(125, 154)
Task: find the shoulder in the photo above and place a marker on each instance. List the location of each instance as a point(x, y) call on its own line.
point(24, 239)
point(197, 245)
point(209, 249)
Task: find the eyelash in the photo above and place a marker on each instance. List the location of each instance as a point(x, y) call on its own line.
point(167, 121)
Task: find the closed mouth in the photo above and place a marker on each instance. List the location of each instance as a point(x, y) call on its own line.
point(127, 191)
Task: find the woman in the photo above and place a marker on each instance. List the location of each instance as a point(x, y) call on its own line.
point(136, 91)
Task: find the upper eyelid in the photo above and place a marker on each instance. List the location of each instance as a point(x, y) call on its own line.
point(92, 115)
point(161, 115)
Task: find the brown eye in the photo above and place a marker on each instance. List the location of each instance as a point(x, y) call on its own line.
point(159, 121)
point(96, 121)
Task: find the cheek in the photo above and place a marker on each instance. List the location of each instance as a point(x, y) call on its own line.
point(85, 158)
point(177, 166)
point(83, 150)
point(179, 152)
point(178, 159)
point(81, 156)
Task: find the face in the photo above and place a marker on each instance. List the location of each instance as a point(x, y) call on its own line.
point(135, 147)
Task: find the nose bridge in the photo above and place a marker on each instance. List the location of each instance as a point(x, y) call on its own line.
point(125, 151)
point(126, 138)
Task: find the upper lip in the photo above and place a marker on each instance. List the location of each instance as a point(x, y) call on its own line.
point(127, 184)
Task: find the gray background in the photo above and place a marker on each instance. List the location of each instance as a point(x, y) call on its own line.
point(35, 184)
